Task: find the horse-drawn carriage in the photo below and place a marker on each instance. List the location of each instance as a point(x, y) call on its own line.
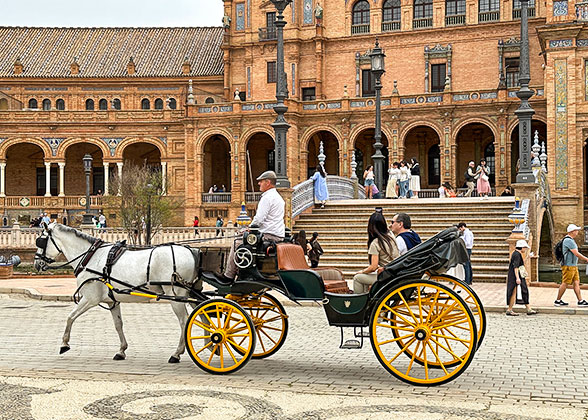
point(424, 326)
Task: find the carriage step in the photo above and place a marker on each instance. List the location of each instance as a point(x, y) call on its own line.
point(351, 344)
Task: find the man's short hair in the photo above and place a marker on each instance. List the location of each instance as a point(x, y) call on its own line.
point(461, 224)
point(405, 219)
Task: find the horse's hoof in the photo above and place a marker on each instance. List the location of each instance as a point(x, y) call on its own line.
point(63, 349)
point(118, 356)
point(173, 359)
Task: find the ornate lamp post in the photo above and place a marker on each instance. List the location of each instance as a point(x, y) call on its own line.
point(377, 57)
point(525, 111)
point(87, 159)
point(280, 125)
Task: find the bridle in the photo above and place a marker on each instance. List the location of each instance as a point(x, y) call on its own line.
point(41, 242)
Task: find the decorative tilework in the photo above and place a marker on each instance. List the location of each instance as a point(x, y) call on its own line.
point(249, 13)
point(334, 105)
point(461, 97)
point(488, 95)
point(309, 107)
point(512, 94)
point(586, 79)
point(54, 143)
point(560, 8)
point(293, 6)
point(582, 42)
point(540, 92)
point(249, 82)
point(226, 108)
point(561, 124)
point(307, 12)
point(386, 102)
point(269, 106)
point(432, 99)
point(112, 143)
point(248, 107)
point(407, 101)
point(204, 110)
point(240, 12)
point(560, 43)
point(163, 139)
point(293, 77)
point(357, 104)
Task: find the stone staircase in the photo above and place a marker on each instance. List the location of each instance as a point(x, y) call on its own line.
point(342, 228)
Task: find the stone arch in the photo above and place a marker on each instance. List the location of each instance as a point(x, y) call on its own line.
point(25, 169)
point(15, 140)
point(364, 150)
point(208, 133)
point(74, 140)
point(386, 132)
point(245, 137)
point(408, 127)
point(423, 142)
point(74, 179)
point(514, 123)
point(132, 140)
point(476, 120)
point(261, 159)
point(473, 140)
point(538, 125)
point(216, 162)
point(309, 132)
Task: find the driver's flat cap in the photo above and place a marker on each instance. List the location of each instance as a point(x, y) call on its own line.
point(267, 175)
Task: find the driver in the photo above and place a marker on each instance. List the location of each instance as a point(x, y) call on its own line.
point(269, 219)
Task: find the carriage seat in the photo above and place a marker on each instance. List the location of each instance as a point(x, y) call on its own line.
point(291, 257)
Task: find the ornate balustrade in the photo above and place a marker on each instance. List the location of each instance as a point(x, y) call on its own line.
point(252, 197)
point(340, 188)
point(360, 29)
point(582, 11)
point(216, 197)
point(41, 202)
point(391, 26)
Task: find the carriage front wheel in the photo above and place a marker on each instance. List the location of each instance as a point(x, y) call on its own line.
point(220, 336)
point(433, 323)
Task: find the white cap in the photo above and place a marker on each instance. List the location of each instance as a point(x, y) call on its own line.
point(521, 243)
point(573, 227)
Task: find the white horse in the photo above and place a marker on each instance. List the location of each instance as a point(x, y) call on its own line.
point(131, 268)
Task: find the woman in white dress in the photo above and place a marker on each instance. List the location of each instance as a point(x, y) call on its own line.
point(393, 175)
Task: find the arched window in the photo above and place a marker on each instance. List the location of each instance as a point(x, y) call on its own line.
point(455, 8)
point(33, 103)
point(60, 105)
point(158, 103)
point(360, 23)
point(423, 14)
point(102, 104)
point(46, 105)
point(89, 105)
point(489, 10)
point(116, 103)
point(391, 15)
point(172, 103)
point(145, 104)
point(209, 100)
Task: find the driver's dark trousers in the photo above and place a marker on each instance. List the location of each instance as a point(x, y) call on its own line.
point(232, 269)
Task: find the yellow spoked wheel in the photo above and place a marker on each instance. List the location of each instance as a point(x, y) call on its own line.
point(428, 322)
point(220, 336)
point(470, 297)
point(270, 320)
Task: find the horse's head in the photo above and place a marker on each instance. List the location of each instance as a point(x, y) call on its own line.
point(47, 248)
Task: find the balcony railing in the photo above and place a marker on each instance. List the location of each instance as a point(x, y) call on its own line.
point(582, 11)
point(216, 197)
point(455, 20)
point(493, 16)
point(253, 197)
point(360, 29)
point(269, 33)
point(516, 13)
point(34, 202)
point(390, 26)
point(422, 23)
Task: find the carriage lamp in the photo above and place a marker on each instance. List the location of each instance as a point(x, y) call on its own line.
point(377, 56)
point(87, 159)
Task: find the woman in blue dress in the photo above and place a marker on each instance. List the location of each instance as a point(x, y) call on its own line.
point(321, 193)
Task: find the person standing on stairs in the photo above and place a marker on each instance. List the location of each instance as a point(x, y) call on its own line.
point(319, 179)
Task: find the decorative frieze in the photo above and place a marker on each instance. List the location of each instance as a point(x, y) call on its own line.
point(240, 15)
point(560, 8)
point(53, 143)
point(561, 124)
point(112, 143)
point(561, 43)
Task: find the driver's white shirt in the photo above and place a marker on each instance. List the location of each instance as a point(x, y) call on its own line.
point(270, 213)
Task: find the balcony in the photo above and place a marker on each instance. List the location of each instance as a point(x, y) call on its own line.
point(422, 23)
point(269, 33)
point(360, 29)
point(216, 197)
point(492, 16)
point(390, 26)
point(455, 20)
point(516, 13)
point(53, 202)
point(582, 11)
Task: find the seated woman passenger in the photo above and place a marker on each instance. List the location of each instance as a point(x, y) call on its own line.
point(382, 249)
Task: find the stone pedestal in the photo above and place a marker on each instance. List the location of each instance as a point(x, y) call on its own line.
point(5, 272)
point(528, 191)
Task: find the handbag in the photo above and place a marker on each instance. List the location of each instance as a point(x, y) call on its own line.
point(519, 293)
point(523, 272)
point(484, 177)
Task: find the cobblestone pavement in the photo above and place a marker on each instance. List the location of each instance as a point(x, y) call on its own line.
point(527, 368)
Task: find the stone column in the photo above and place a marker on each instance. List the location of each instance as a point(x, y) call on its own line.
point(106, 176)
point(2, 179)
point(47, 179)
point(61, 179)
point(120, 174)
point(164, 178)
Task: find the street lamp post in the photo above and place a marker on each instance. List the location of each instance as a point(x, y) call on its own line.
point(280, 125)
point(377, 58)
point(148, 221)
point(525, 111)
point(87, 159)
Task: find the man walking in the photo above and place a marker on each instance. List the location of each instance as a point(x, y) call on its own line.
point(569, 267)
point(406, 238)
point(470, 177)
point(468, 238)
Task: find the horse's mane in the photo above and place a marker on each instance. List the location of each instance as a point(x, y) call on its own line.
point(76, 232)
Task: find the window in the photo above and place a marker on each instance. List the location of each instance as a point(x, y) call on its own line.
point(270, 19)
point(33, 103)
point(60, 105)
point(488, 6)
point(102, 105)
point(423, 9)
point(115, 104)
point(368, 83)
point(434, 165)
point(159, 103)
point(145, 104)
point(516, 9)
point(361, 13)
point(171, 103)
point(53, 178)
point(489, 155)
point(437, 77)
point(308, 94)
point(455, 7)
point(272, 72)
point(89, 105)
point(46, 105)
point(511, 65)
point(209, 100)
point(391, 11)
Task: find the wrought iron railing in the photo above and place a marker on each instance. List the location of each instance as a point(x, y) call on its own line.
point(216, 197)
point(422, 23)
point(492, 16)
point(455, 20)
point(360, 29)
point(390, 26)
point(269, 33)
point(516, 13)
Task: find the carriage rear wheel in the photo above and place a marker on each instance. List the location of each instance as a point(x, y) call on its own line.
point(434, 325)
point(215, 330)
point(270, 320)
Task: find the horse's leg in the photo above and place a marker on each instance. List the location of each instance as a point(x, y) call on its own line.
point(84, 304)
point(182, 314)
point(118, 324)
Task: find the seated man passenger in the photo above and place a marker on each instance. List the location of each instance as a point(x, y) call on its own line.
point(406, 238)
point(269, 218)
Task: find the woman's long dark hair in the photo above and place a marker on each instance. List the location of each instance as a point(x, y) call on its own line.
point(321, 171)
point(378, 229)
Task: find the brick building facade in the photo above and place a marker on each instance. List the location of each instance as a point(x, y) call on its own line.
point(448, 97)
